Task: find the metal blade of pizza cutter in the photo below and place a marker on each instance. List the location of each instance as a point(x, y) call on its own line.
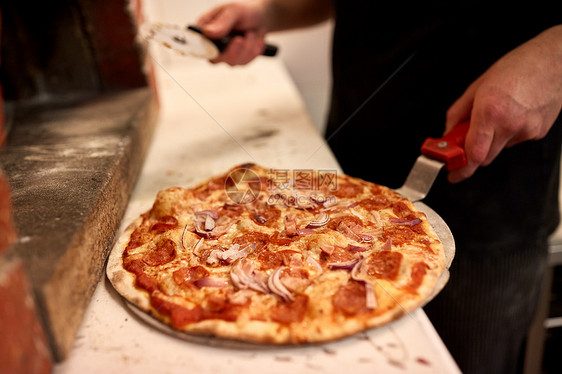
point(446, 152)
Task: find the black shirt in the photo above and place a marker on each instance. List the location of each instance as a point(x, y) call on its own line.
point(397, 67)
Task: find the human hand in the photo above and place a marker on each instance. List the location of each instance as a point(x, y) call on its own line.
point(517, 99)
point(247, 17)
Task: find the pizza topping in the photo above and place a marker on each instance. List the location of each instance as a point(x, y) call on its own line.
point(280, 239)
point(384, 264)
point(276, 286)
point(402, 210)
point(312, 262)
point(375, 203)
point(358, 272)
point(265, 214)
point(322, 219)
point(370, 297)
point(338, 255)
point(290, 225)
point(164, 224)
point(350, 298)
point(231, 210)
point(387, 244)
point(346, 265)
point(348, 189)
point(417, 274)
point(356, 248)
point(305, 231)
point(188, 275)
point(211, 282)
point(235, 252)
point(347, 231)
point(327, 248)
point(290, 312)
point(164, 252)
point(244, 276)
point(295, 279)
point(405, 222)
point(261, 240)
point(205, 220)
point(259, 219)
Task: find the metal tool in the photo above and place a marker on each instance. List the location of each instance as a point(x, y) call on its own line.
point(447, 151)
point(190, 41)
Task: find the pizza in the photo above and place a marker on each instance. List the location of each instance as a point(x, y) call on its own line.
point(278, 256)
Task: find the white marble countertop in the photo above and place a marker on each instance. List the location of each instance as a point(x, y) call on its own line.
point(213, 118)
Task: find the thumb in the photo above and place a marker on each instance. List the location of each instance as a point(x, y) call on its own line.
point(218, 22)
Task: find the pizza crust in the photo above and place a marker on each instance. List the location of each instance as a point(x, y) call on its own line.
point(323, 321)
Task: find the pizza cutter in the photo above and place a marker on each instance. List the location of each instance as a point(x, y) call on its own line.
point(190, 41)
point(445, 152)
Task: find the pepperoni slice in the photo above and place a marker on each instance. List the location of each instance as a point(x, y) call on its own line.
point(281, 239)
point(419, 269)
point(260, 239)
point(136, 240)
point(164, 224)
point(353, 222)
point(142, 280)
point(347, 189)
point(188, 275)
point(402, 210)
point(164, 252)
point(375, 203)
point(399, 234)
point(338, 255)
point(289, 312)
point(350, 298)
point(274, 260)
point(384, 264)
point(179, 315)
point(231, 210)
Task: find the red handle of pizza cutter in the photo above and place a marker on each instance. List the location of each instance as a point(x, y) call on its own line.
point(449, 148)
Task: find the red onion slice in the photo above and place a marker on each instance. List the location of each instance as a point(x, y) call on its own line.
point(358, 272)
point(370, 297)
point(239, 253)
point(208, 212)
point(322, 219)
point(244, 276)
point(183, 238)
point(388, 244)
point(259, 218)
point(275, 285)
point(328, 249)
point(356, 248)
point(211, 282)
point(303, 232)
point(345, 265)
point(315, 264)
point(209, 223)
point(405, 222)
point(366, 238)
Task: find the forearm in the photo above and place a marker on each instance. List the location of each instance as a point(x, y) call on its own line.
point(290, 14)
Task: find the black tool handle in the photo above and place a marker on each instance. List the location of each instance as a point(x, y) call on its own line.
point(270, 49)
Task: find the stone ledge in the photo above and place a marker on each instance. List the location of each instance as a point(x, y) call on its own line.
point(71, 170)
